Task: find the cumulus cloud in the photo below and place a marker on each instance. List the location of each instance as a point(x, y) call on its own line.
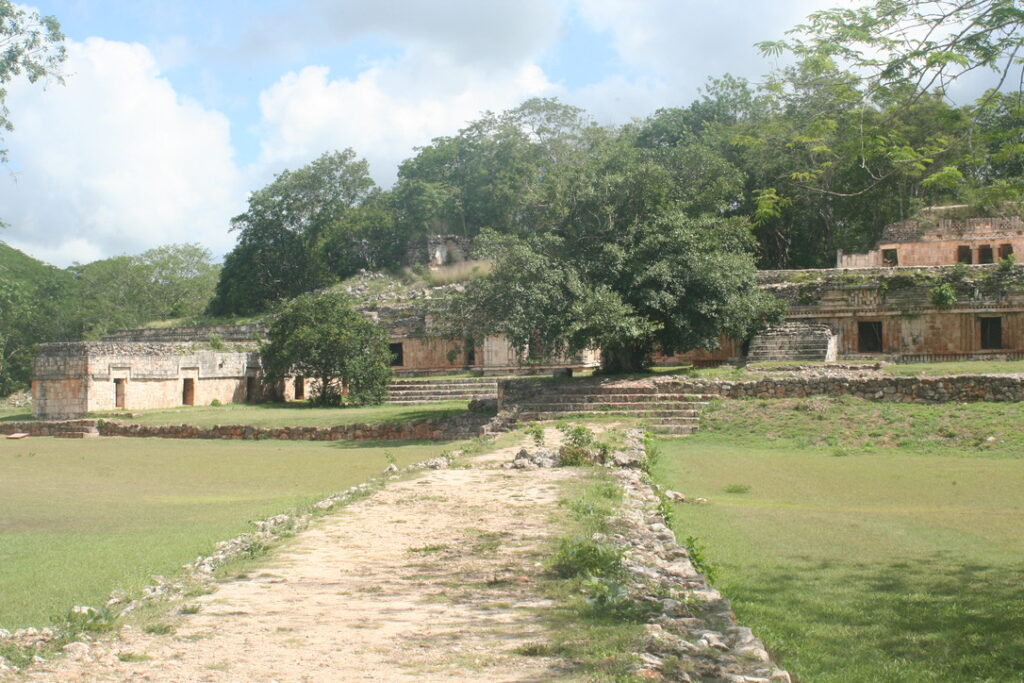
point(115, 161)
point(675, 46)
point(489, 33)
point(385, 111)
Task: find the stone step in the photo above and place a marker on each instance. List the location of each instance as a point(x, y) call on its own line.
point(442, 392)
point(688, 406)
point(674, 430)
point(77, 433)
point(674, 399)
point(468, 381)
point(532, 415)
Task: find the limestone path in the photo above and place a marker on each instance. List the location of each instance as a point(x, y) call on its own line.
point(431, 579)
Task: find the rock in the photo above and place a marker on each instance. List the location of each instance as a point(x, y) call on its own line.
point(675, 495)
point(391, 468)
point(701, 500)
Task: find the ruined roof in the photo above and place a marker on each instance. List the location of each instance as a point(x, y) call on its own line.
point(929, 230)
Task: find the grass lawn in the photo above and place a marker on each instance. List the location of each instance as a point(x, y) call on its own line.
point(294, 414)
point(81, 518)
point(864, 541)
point(11, 414)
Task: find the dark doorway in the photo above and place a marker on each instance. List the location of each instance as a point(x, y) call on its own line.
point(963, 255)
point(300, 388)
point(119, 393)
point(890, 258)
point(397, 354)
point(188, 392)
point(1005, 251)
point(470, 352)
point(985, 254)
point(991, 333)
point(869, 337)
point(250, 389)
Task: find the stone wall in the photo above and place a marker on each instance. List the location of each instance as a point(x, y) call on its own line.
point(460, 427)
point(71, 379)
point(952, 389)
point(227, 333)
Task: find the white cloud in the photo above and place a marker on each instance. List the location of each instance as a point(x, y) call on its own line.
point(678, 45)
point(386, 110)
point(485, 33)
point(115, 161)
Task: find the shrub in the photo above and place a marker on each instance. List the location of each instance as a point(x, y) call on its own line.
point(578, 556)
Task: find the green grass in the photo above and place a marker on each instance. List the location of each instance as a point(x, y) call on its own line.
point(598, 635)
point(969, 367)
point(81, 518)
point(298, 414)
point(858, 555)
point(12, 414)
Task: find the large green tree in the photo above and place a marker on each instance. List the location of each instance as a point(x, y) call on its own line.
point(322, 337)
point(640, 260)
point(288, 229)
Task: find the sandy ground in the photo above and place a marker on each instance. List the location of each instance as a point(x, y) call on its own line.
point(431, 579)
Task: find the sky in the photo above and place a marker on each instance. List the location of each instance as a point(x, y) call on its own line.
point(173, 111)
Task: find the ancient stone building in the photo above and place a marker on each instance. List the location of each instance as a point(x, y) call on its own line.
point(72, 379)
point(937, 241)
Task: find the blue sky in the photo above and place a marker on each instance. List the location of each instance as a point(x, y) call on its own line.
point(173, 111)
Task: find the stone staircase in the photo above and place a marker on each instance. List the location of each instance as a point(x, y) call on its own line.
point(408, 391)
point(667, 412)
point(77, 430)
point(794, 341)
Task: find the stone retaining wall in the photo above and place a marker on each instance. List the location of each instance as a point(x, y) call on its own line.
point(460, 427)
point(950, 389)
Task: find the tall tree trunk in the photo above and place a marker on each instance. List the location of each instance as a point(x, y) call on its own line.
point(623, 358)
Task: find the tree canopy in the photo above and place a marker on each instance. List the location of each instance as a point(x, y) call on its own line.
point(325, 339)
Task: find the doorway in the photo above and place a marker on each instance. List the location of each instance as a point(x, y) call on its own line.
point(188, 392)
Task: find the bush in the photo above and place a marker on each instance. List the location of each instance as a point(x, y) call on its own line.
point(578, 556)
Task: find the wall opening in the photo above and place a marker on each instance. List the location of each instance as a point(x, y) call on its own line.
point(300, 388)
point(890, 258)
point(470, 352)
point(397, 354)
point(963, 255)
point(250, 389)
point(985, 254)
point(1005, 250)
point(991, 333)
point(188, 392)
point(869, 337)
point(119, 384)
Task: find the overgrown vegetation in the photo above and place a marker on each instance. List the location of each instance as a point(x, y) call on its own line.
point(596, 622)
point(897, 561)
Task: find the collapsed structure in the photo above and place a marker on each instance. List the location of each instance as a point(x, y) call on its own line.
point(927, 292)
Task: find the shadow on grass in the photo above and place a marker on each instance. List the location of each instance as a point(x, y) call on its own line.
point(933, 619)
point(18, 417)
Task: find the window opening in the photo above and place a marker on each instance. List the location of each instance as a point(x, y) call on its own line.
point(1005, 250)
point(963, 255)
point(869, 337)
point(890, 258)
point(991, 333)
point(985, 254)
point(188, 392)
point(119, 392)
point(397, 354)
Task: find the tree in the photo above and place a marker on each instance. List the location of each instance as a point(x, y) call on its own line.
point(30, 45)
point(280, 236)
point(640, 260)
point(325, 339)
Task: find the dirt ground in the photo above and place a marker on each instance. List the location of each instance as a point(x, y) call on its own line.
point(431, 579)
